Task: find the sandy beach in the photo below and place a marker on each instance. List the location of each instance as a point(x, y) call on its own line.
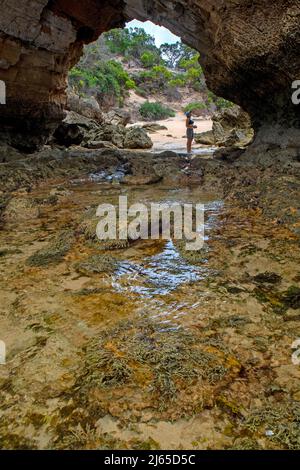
point(173, 138)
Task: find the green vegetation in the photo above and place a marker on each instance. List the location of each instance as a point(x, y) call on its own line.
point(220, 103)
point(169, 365)
point(148, 59)
point(196, 105)
point(154, 79)
point(102, 78)
point(155, 111)
point(54, 251)
point(132, 42)
point(174, 53)
point(105, 71)
point(161, 77)
point(193, 72)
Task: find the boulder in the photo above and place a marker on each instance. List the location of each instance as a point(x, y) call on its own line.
point(107, 133)
point(137, 138)
point(9, 154)
point(68, 134)
point(73, 129)
point(232, 126)
point(140, 180)
point(118, 117)
point(100, 144)
point(80, 130)
point(153, 127)
point(87, 107)
point(205, 138)
point(72, 117)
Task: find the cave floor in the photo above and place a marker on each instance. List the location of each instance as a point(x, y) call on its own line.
point(146, 346)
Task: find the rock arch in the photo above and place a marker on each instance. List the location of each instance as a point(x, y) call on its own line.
point(249, 52)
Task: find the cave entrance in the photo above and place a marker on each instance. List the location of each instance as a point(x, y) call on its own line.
point(144, 75)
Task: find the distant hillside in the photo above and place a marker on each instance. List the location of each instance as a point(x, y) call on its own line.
point(124, 68)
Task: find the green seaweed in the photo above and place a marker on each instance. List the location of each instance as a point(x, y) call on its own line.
point(96, 264)
point(54, 252)
point(282, 419)
point(233, 321)
point(175, 358)
point(267, 278)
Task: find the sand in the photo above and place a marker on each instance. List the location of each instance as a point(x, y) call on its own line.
point(173, 138)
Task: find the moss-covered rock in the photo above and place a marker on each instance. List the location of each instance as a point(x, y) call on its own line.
point(54, 252)
point(96, 264)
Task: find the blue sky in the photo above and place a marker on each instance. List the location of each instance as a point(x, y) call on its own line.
point(160, 33)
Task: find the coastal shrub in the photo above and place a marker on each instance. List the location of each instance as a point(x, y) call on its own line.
point(106, 78)
point(219, 102)
point(178, 81)
point(196, 105)
point(149, 59)
point(155, 111)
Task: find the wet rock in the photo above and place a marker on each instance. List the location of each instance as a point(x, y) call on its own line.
point(54, 252)
point(268, 278)
point(141, 180)
point(97, 264)
point(20, 209)
point(137, 138)
point(51, 200)
point(167, 154)
point(162, 365)
point(230, 154)
point(7, 252)
point(281, 418)
point(291, 298)
point(87, 228)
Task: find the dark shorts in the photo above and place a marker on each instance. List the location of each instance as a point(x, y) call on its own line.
point(190, 133)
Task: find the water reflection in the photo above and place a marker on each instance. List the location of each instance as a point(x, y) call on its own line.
point(159, 275)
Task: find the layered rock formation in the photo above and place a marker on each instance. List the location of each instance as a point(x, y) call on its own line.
point(231, 127)
point(249, 52)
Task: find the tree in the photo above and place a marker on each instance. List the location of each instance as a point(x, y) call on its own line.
point(172, 53)
point(118, 40)
point(132, 42)
point(175, 53)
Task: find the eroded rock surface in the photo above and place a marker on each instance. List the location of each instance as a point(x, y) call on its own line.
point(231, 127)
point(201, 345)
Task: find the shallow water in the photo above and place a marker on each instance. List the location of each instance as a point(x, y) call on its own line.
point(160, 343)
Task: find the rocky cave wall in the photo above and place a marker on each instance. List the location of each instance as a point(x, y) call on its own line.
point(249, 52)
